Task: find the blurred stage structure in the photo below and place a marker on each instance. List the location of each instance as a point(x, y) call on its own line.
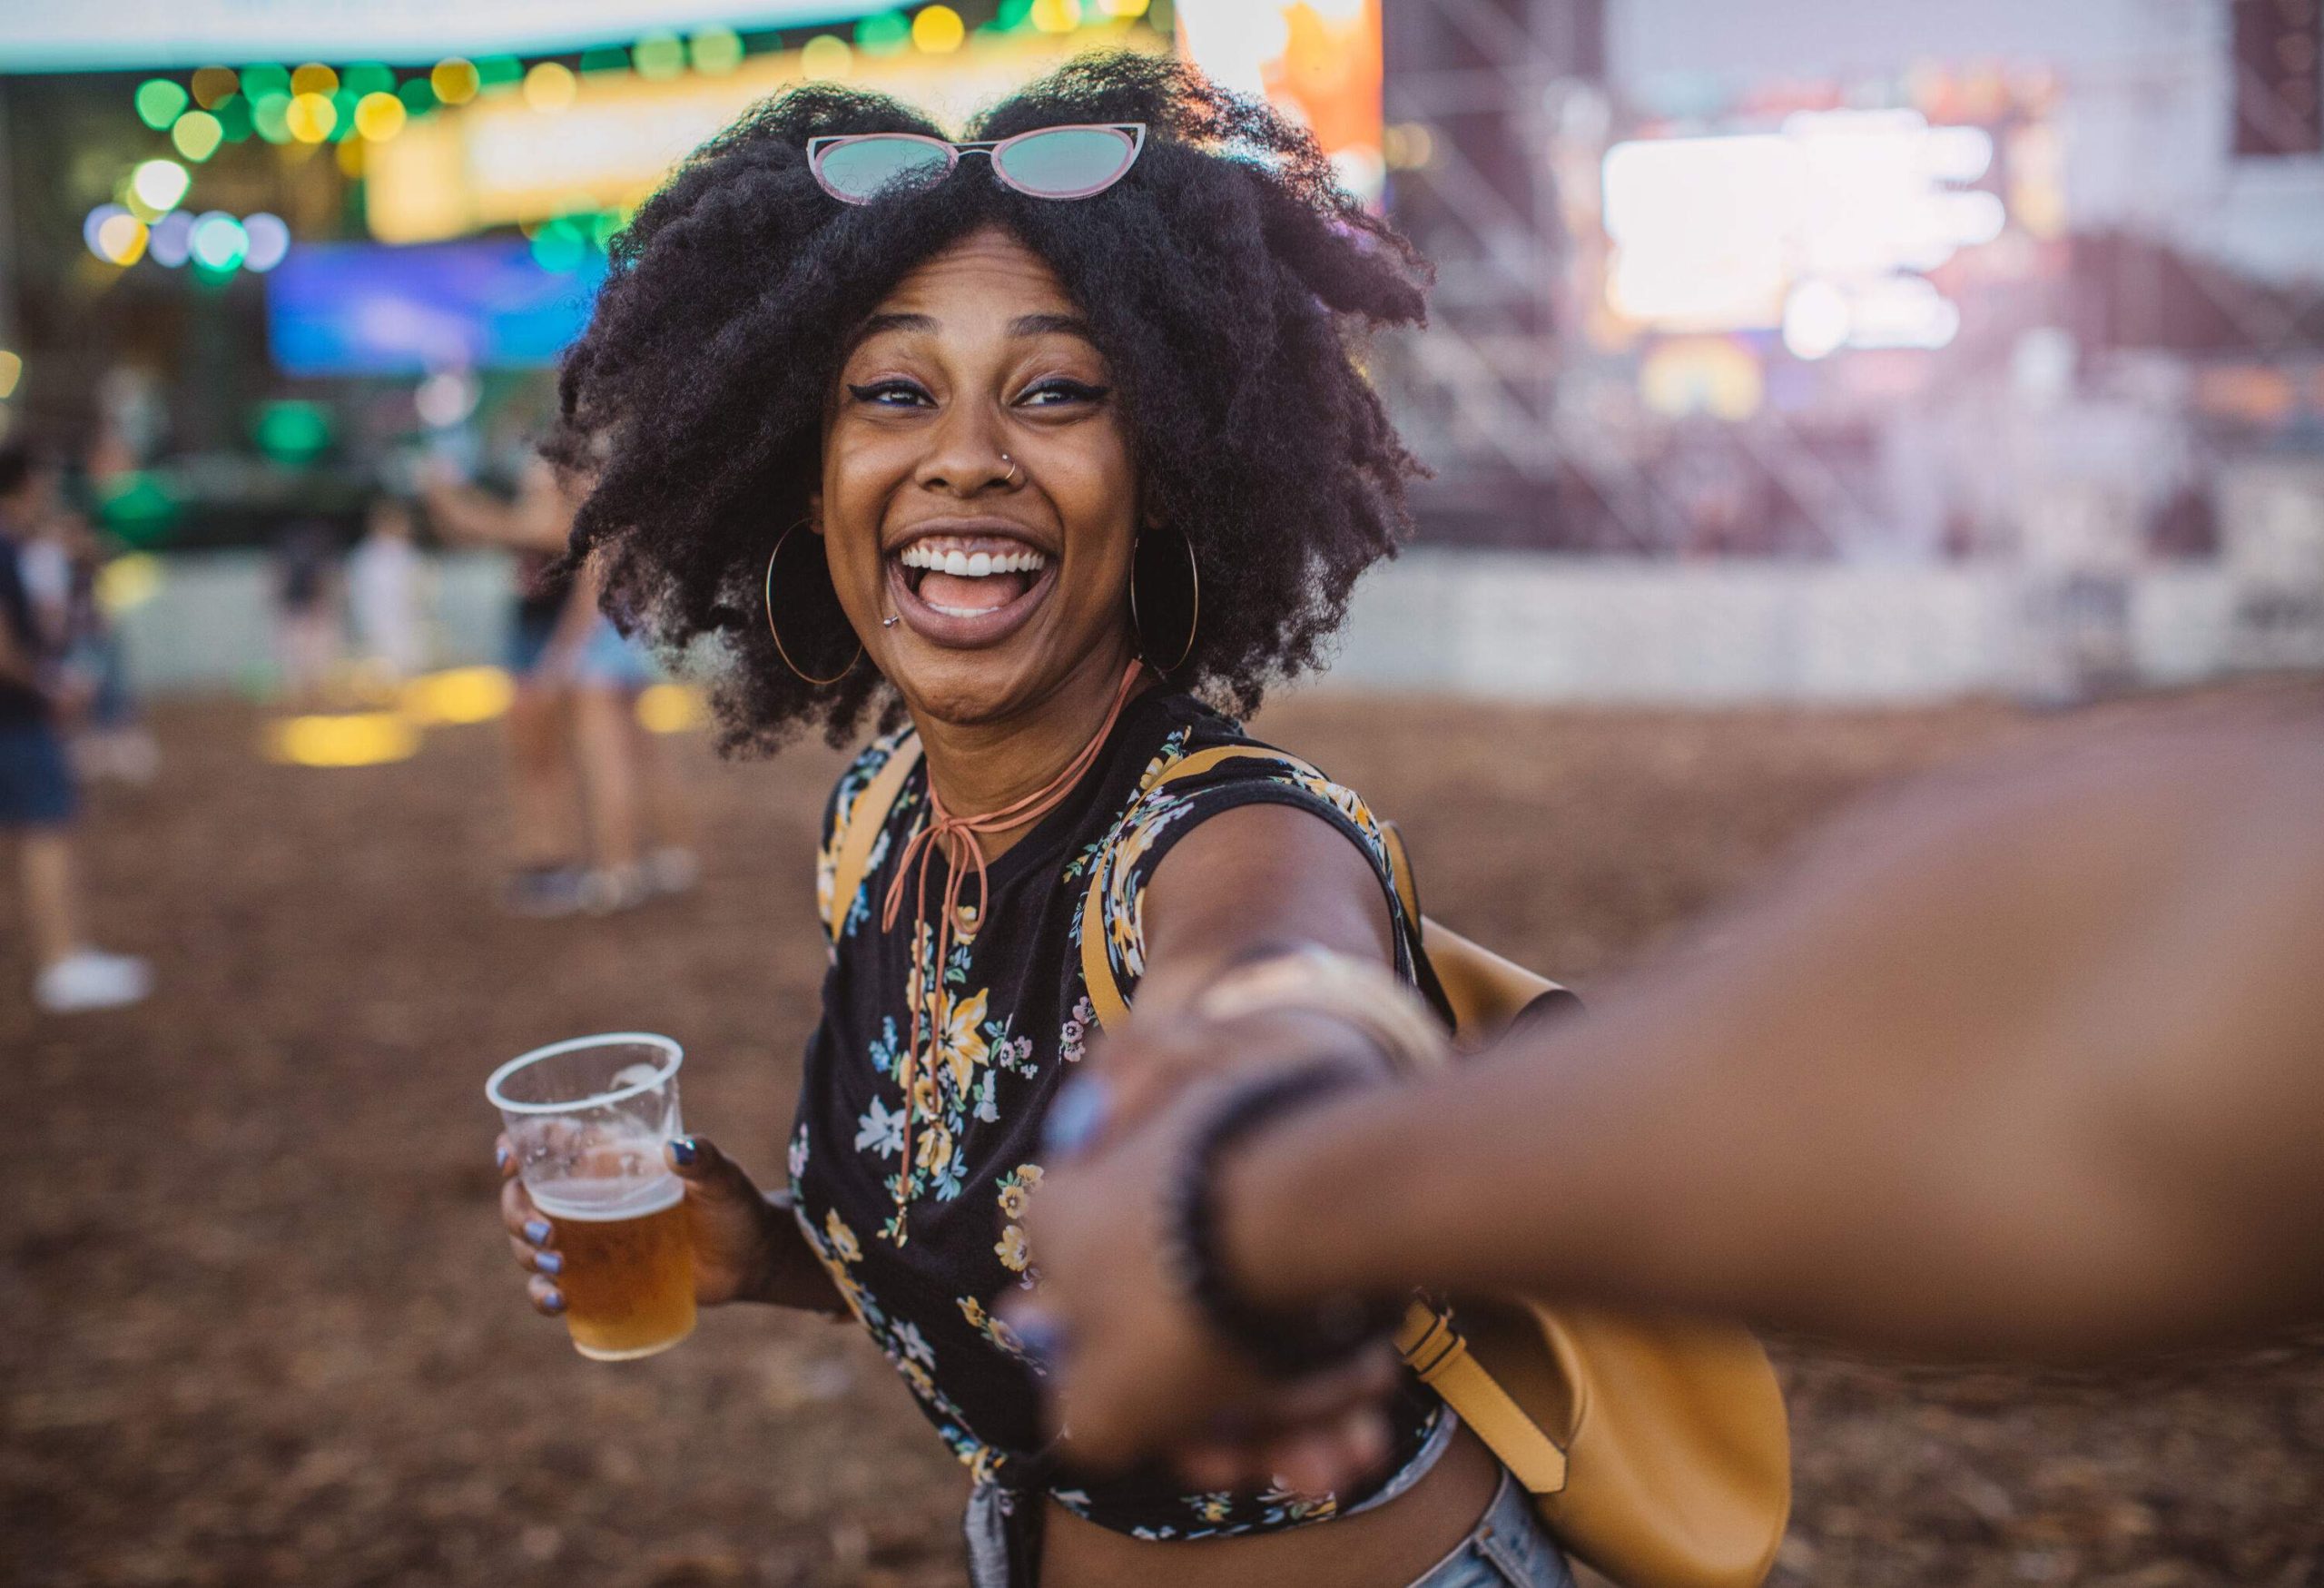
point(1994, 324)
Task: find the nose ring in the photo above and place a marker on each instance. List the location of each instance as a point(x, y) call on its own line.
point(1011, 478)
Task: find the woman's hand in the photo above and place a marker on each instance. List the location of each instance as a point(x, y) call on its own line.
point(1134, 1370)
point(745, 1248)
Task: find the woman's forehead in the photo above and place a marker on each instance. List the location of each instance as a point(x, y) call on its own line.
point(988, 276)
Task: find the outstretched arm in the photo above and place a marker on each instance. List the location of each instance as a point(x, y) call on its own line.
point(2030, 1062)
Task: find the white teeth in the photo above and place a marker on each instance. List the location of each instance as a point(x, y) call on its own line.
point(972, 564)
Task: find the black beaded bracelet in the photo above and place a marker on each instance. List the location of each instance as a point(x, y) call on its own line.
point(1286, 1344)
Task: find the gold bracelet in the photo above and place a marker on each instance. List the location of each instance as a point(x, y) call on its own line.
point(1320, 981)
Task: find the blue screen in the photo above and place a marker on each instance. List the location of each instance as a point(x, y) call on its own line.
point(364, 309)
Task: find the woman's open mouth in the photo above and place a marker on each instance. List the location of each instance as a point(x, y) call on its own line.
point(968, 588)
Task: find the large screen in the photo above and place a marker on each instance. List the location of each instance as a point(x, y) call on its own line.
point(364, 309)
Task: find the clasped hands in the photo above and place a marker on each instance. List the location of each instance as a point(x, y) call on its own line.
point(1132, 1367)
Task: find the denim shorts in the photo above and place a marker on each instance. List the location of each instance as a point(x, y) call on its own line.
point(35, 779)
point(1508, 1548)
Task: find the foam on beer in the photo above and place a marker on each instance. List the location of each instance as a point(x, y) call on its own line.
point(603, 1200)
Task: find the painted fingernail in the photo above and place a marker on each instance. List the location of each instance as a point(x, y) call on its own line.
point(1041, 1337)
point(537, 1231)
point(548, 1263)
point(554, 1301)
point(683, 1151)
point(1078, 1115)
point(500, 1157)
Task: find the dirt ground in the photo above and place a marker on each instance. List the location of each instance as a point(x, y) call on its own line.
point(263, 1328)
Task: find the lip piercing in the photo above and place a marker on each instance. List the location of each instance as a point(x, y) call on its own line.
point(889, 622)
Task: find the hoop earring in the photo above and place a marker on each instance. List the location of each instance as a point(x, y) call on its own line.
point(1193, 619)
point(780, 648)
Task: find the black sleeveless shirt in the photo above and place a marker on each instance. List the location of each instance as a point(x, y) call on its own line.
point(922, 1251)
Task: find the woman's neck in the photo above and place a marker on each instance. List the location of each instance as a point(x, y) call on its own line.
point(980, 766)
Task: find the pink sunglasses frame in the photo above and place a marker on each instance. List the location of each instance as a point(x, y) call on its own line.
point(990, 148)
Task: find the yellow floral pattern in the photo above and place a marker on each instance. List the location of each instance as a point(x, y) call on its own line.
point(914, 1175)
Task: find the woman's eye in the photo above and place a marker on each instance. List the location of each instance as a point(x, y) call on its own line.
point(889, 394)
point(1058, 390)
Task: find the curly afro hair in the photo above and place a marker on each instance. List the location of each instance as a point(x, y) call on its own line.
point(1221, 279)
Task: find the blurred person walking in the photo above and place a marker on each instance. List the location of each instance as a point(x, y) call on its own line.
point(38, 802)
point(578, 684)
point(384, 576)
point(2027, 1063)
point(308, 641)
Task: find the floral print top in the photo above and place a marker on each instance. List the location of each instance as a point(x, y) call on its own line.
point(922, 1250)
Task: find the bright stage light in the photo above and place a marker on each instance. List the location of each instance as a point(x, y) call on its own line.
point(1810, 230)
point(939, 30)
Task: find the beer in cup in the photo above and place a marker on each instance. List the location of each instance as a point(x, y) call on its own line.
point(587, 1119)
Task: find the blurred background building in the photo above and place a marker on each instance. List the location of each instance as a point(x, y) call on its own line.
point(1782, 348)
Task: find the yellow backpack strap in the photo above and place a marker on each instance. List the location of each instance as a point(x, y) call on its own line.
point(1438, 1356)
point(860, 829)
point(1097, 970)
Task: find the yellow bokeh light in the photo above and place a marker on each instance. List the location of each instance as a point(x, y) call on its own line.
point(214, 84)
point(458, 694)
point(121, 239)
point(939, 30)
point(550, 86)
point(380, 116)
point(1057, 15)
point(12, 369)
point(197, 134)
point(454, 81)
point(357, 738)
point(826, 55)
point(672, 708)
point(128, 581)
point(311, 117)
point(314, 77)
point(1129, 8)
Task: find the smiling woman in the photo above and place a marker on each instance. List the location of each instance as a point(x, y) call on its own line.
point(1034, 455)
point(1205, 303)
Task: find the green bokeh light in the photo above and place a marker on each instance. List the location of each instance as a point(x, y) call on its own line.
point(887, 34)
point(233, 113)
point(160, 100)
point(418, 96)
point(260, 81)
point(368, 77)
point(292, 432)
point(660, 56)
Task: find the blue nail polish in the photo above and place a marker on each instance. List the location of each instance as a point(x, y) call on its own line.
point(555, 1301)
point(549, 1263)
point(1077, 1117)
point(537, 1231)
point(500, 1157)
point(1041, 1338)
point(683, 1151)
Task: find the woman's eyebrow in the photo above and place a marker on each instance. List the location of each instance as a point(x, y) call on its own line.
point(880, 323)
point(1044, 324)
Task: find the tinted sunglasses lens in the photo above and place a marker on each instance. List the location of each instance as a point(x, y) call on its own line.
point(1067, 161)
point(863, 169)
